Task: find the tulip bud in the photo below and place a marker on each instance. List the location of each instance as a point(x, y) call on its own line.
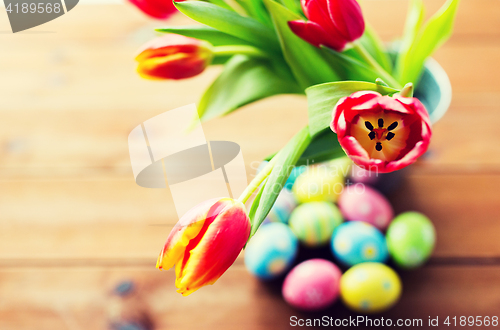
point(333, 23)
point(160, 9)
point(381, 133)
point(173, 57)
point(205, 242)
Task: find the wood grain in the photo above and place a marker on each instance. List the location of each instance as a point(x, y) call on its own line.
point(79, 298)
point(73, 223)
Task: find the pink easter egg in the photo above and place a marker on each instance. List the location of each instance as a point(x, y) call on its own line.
point(360, 175)
point(312, 285)
point(362, 203)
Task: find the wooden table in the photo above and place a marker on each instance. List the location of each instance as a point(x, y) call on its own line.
point(73, 223)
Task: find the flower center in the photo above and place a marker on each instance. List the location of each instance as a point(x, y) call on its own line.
point(380, 133)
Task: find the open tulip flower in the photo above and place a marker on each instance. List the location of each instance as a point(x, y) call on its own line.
point(205, 242)
point(381, 133)
point(333, 23)
point(173, 57)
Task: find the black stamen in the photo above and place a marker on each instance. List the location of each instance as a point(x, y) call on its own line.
point(392, 126)
point(369, 125)
point(380, 122)
point(371, 135)
point(378, 146)
point(390, 135)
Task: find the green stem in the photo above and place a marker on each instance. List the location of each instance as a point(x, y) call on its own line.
point(374, 64)
point(256, 182)
point(239, 49)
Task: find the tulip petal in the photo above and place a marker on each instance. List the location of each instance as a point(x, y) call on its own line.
point(347, 18)
point(314, 34)
point(188, 227)
point(160, 9)
point(409, 158)
point(217, 250)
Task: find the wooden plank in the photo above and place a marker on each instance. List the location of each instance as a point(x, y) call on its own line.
point(78, 298)
point(94, 219)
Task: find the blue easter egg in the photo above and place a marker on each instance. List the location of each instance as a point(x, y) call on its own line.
point(283, 207)
point(271, 251)
point(294, 174)
point(355, 242)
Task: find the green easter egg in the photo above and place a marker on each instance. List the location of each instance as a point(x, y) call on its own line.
point(319, 183)
point(411, 238)
point(313, 223)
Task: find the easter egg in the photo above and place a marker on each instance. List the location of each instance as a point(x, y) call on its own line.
point(411, 238)
point(271, 251)
point(312, 285)
point(283, 207)
point(370, 287)
point(318, 183)
point(294, 174)
point(362, 203)
point(313, 223)
point(356, 242)
point(360, 175)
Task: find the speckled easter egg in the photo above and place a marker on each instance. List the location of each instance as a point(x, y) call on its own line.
point(313, 223)
point(283, 207)
point(318, 183)
point(356, 242)
point(370, 287)
point(312, 285)
point(271, 251)
point(362, 203)
point(294, 174)
point(411, 238)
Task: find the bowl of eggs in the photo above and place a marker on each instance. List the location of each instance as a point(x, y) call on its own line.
point(338, 208)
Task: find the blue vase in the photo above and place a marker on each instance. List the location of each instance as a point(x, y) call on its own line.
point(434, 90)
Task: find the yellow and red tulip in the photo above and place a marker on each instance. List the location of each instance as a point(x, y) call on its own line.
point(173, 57)
point(332, 23)
point(205, 243)
point(381, 133)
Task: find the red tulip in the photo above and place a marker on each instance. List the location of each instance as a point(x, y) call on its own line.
point(205, 242)
point(381, 133)
point(173, 57)
point(332, 23)
point(160, 9)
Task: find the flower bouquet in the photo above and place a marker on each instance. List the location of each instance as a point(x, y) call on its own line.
point(359, 92)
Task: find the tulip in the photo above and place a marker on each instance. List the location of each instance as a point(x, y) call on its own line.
point(333, 23)
point(160, 9)
point(205, 242)
point(173, 57)
point(381, 133)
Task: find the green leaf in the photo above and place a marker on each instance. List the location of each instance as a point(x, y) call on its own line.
point(414, 20)
point(432, 35)
point(257, 10)
point(294, 6)
point(350, 67)
point(324, 146)
point(372, 43)
point(306, 61)
point(244, 80)
point(202, 32)
point(221, 3)
point(321, 99)
point(286, 159)
point(232, 23)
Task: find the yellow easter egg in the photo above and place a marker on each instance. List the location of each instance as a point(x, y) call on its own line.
point(370, 287)
point(318, 184)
